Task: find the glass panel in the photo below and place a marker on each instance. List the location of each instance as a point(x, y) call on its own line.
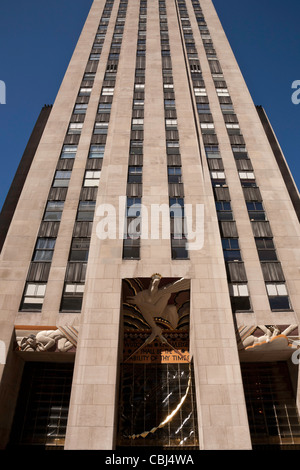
point(279, 303)
point(71, 304)
point(69, 151)
point(149, 395)
point(179, 250)
point(42, 408)
point(272, 411)
point(43, 255)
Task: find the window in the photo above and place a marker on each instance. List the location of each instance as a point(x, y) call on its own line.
point(131, 248)
point(278, 296)
point(172, 147)
point(85, 91)
point(212, 151)
point(222, 92)
point(133, 207)
point(200, 92)
point(233, 129)
point(72, 298)
point(224, 211)
point(75, 128)
point(101, 128)
point(218, 76)
point(139, 86)
point(80, 109)
point(249, 184)
point(174, 175)
point(91, 178)
point(178, 248)
point(86, 211)
point(136, 147)
point(239, 295)
point(135, 174)
point(107, 91)
point(34, 296)
point(192, 55)
point(169, 104)
point(246, 175)
point(53, 210)
point(176, 207)
point(256, 211)
point(104, 108)
point(94, 57)
point(44, 249)
point(110, 75)
point(68, 151)
point(89, 76)
point(203, 108)
point(171, 124)
point(61, 179)
point(96, 151)
point(266, 249)
point(219, 183)
point(231, 249)
point(207, 128)
point(240, 152)
point(217, 175)
point(138, 104)
point(80, 249)
point(137, 124)
point(227, 108)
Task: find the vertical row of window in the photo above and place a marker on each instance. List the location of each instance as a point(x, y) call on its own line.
point(79, 251)
point(131, 243)
point(37, 277)
point(236, 274)
point(175, 183)
point(271, 267)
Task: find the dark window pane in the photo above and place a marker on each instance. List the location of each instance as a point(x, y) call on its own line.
point(232, 255)
point(79, 255)
point(43, 255)
point(72, 304)
point(279, 303)
point(85, 216)
point(225, 215)
point(257, 215)
point(134, 178)
point(179, 250)
point(267, 255)
point(34, 307)
point(46, 243)
point(52, 215)
point(131, 249)
point(239, 304)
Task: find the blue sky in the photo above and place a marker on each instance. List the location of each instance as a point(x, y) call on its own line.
point(37, 39)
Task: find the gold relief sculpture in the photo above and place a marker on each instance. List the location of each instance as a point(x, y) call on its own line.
point(157, 398)
point(159, 310)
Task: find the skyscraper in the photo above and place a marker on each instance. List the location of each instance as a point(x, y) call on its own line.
point(150, 266)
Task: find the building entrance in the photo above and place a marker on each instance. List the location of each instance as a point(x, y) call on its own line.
point(42, 410)
point(271, 406)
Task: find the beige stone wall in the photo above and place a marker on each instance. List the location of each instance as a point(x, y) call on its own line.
point(222, 419)
point(19, 245)
point(275, 196)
